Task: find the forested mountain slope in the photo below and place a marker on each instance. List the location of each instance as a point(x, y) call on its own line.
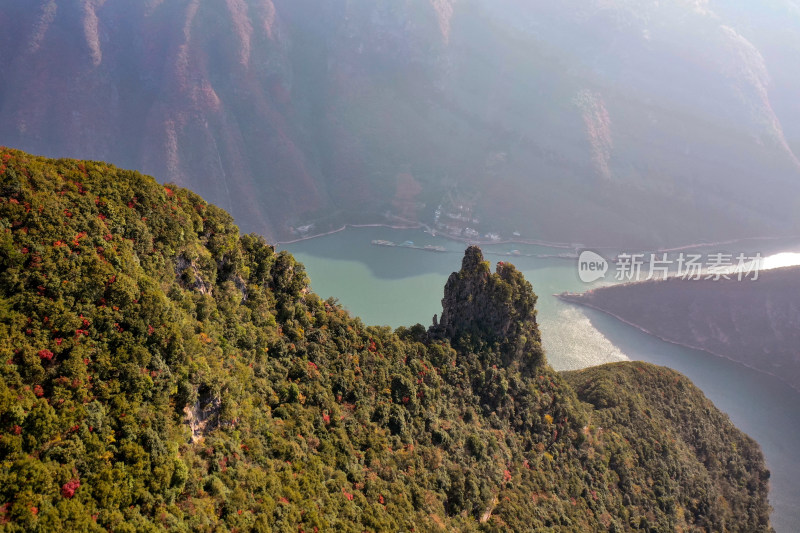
point(161, 371)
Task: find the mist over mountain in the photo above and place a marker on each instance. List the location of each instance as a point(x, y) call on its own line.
point(563, 121)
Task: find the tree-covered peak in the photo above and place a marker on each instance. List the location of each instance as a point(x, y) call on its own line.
point(473, 262)
point(490, 313)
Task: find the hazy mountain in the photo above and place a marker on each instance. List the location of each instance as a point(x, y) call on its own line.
point(756, 323)
point(563, 120)
point(162, 372)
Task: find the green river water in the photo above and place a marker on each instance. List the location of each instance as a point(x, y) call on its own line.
point(401, 286)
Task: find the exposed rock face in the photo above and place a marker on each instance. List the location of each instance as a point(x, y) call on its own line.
point(191, 276)
point(292, 112)
point(495, 310)
point(202, 416)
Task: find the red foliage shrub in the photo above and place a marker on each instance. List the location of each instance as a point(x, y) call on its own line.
point(69, 488)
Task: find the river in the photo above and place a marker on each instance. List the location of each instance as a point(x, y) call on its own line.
point(400, 286)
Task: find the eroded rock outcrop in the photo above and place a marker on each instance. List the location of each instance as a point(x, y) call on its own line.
point(495, 310)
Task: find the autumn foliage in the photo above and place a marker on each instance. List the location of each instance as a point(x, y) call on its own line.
point(162, 372)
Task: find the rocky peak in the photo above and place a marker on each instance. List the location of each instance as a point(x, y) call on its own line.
point(473, 260)
point(490, 312)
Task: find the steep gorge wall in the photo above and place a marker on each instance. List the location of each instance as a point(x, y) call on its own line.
point(564, 121)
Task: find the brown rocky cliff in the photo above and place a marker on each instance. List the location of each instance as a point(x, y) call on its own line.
point(292, 112)
point(240, 100)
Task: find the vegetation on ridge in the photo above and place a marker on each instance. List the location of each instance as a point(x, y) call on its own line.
point(161, 371)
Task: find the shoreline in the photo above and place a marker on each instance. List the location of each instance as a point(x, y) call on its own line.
point(409, 225)
point(343, 228)
point(576, 300)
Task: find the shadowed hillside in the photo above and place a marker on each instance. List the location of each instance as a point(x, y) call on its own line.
point(756, 323)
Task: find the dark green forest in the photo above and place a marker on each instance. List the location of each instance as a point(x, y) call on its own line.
point(160, 371)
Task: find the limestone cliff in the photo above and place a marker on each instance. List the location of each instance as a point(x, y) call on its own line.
point(293, 113)
point(496, 310)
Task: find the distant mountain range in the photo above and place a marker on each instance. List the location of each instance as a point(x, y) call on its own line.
point(565, 121)
point(756, 323)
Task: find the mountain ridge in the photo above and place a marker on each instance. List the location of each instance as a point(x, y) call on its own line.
point(164, 372)
point(292, 115)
